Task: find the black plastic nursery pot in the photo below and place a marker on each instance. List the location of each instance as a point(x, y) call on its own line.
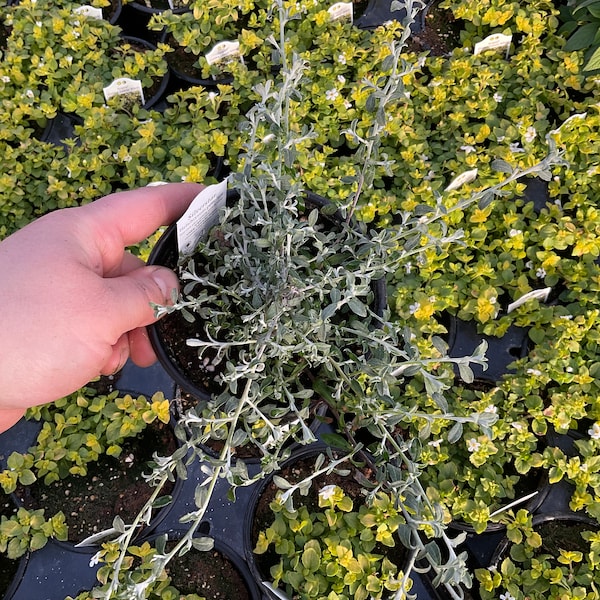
point(136, 15)
point(379, 12)
point(463, 338)
point(113, 486)
point(183, 72)
point(559, 531)
point(259, 517)
point(219, 574)
point(182, 371)
point(158, 90)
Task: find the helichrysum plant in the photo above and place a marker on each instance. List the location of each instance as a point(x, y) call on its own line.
point(283, 300)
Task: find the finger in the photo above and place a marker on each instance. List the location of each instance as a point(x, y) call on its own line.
point(117, 359)
point(129, 263)
point(128, 298)
point(140, 348)
point(138, 213)
point(10, 416)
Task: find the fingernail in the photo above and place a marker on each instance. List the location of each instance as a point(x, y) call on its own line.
point(164, 280)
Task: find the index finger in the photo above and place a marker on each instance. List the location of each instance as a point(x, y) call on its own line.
point(138, 213)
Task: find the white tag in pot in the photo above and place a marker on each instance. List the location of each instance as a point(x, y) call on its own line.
point(496, 41)
point(89, 11)
point(125, 87)
point(223, 52)
point(461, 179)
point(341, 11)
point(201, 215)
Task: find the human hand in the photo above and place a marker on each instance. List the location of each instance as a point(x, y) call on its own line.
point(73, 303)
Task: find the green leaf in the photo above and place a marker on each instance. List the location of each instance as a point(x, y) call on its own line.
point(119, 524)
point(455, 433)
point(582, 38)
point(502, 166)
point(336, 441)
point(27, 477)
point(38, 540)
point(357, 307)
point(162, 501)
point(311, 557)
point(204, 544)
point(593, 64)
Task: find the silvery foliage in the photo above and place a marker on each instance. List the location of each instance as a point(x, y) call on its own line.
point(296, 321)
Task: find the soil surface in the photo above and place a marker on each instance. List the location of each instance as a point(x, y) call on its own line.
point(113, 486)
point(441, 34)
point(208, 574)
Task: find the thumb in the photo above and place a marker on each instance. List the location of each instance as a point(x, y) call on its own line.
point(134, 293)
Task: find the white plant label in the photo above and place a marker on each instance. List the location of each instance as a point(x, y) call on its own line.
point(124, 86)
point(496, 41)
point(463, 178)
point(201, 215)
point(341, 11)
point(224, 52)
point(89, 11)
point(534, 295)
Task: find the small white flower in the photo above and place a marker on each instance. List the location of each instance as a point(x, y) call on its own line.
point(473, 445)
point(530, 134)
point(30, 94)
point(212, 96)
point(341, 59)
point(408, 268)
point(490, 408)
point(594, 432)
point(38, 24)
point(413, 308)
point(331, 94)
point(347, 104)
point(467, 149)
point(507, 596)
point(514, 232)
point(535, 372)
point(434, 443)
point(5, 78)
point(529, 264)
point(498, 97)
point(341, 79)
point(518, 426)
point(569, 369)
point(540, 273)
point(327, 492)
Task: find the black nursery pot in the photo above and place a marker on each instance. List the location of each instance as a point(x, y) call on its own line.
point(136, 15)
point(165, 253)
point(219, 573)
point(259, 516)
point(158, 93)
point(463, 338)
